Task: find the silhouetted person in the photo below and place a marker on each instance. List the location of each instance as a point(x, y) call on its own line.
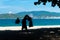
point(54, 2)
point(24, 25)
point(58, 3)
point(17, 21)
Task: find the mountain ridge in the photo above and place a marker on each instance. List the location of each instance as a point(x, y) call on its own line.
point(32, 13)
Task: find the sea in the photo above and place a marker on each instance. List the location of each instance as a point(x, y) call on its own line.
point(36, 22)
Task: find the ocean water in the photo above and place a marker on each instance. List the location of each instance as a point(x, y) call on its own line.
point(36, 22)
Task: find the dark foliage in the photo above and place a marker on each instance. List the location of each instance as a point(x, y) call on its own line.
point(33, 34)
point(53, 4)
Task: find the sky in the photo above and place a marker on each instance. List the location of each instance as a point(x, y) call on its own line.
point(15, 6)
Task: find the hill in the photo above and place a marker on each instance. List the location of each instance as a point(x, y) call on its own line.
point(33, 14)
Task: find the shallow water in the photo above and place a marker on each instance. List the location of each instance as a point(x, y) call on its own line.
point(36, 22)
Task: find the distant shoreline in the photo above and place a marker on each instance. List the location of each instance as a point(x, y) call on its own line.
point(34, 27)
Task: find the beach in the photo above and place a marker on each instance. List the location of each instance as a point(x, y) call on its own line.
point(50, 32)
point(34, 27)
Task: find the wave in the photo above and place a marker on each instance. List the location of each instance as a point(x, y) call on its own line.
point(52, 17)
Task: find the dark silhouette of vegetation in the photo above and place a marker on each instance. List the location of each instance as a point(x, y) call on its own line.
point(24, 25)
point(44, 1)
point(17, 21)
point(53, 4)
point(33, 34)
point(58, 3)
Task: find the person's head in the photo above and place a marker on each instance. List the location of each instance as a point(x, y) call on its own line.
point(17, 18)
point(26, 17)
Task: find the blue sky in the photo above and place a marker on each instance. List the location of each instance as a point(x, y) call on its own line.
point(16, 6)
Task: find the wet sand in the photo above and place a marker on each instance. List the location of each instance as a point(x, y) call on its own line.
point(34, 27)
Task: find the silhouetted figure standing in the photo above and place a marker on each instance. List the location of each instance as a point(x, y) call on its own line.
point(24, 25)
point(17, 21)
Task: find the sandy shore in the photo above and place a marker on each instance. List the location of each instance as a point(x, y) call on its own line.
point(34, 27)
